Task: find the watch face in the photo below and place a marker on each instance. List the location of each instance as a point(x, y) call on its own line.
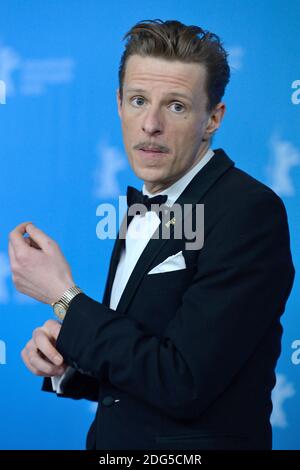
point(59, 310)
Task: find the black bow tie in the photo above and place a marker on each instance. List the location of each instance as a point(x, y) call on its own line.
point(137, 197)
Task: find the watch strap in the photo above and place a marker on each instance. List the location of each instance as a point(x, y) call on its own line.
point(67, 296)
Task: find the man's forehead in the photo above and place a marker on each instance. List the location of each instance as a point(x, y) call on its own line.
point(145, 71)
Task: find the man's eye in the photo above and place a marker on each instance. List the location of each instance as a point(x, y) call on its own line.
point(177, 107)
point(138, 101)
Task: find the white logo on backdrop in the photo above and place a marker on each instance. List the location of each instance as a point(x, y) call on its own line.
point(110, 162)
point(284, 156)
point(9, 62)
point(2, 352)
point(235, 57)
point(295, 97)
point(282, 391)
point(296, 354)
point(2, 92)
point(4, 275)
point(32, 76)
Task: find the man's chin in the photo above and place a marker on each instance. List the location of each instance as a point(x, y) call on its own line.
point(149, 175)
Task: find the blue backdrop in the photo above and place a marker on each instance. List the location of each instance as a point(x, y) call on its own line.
point(62, 155)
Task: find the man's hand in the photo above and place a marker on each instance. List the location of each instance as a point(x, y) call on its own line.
point(38, 266)
point(40, 355)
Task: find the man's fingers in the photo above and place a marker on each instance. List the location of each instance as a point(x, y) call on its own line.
point(52, 328)
point(39, 237)
point(16, 236)
point(37, 365)
point(43, 343)
point(40, 356)
point(27, 363)
point(12, 260)
point(32, 243)
point(42, 366)
point(11, 252)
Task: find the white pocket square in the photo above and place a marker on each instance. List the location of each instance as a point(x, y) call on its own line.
point(172, 263)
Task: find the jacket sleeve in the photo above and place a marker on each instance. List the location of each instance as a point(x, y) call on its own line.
point(75, 385)
point(244, 277)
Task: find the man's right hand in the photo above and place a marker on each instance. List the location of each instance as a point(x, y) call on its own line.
point(40, 355)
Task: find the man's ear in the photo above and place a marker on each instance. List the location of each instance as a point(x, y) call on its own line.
point(119, 102)
point(214, 121)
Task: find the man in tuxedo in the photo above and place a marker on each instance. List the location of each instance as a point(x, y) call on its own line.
point(181, 352)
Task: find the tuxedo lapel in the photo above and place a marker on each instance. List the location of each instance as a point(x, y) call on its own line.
point(114, 260)
point(192, 194)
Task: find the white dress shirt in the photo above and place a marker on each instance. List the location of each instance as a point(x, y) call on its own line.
point(140, 231)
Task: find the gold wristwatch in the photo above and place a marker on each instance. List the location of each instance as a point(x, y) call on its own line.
point(61, 306)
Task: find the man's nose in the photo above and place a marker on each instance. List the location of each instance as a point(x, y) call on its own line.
point(152, 123)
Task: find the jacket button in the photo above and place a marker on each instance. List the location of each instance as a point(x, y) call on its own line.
point(108, 401)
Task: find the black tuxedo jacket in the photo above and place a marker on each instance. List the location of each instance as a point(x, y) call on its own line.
point(187, 360)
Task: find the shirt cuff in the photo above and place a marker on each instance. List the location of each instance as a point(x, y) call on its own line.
point(57, 381)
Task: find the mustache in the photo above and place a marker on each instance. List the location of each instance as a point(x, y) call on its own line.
point(148, 145)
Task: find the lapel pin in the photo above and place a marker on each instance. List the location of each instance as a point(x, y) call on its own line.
point(170, 222)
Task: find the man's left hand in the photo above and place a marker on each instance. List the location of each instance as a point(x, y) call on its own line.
point(38, 266)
